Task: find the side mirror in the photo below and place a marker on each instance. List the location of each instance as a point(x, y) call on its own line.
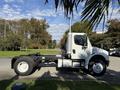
point(85, 44)
point(84, 47)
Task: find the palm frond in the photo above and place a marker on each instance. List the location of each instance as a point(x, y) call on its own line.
point(119, 2)
point(94, 10)
point(67, 5)
point(46, 1)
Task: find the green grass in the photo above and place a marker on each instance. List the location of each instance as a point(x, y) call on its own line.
point(29, 51)
point(59, 85)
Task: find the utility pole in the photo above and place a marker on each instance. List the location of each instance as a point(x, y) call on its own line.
point(5, 30)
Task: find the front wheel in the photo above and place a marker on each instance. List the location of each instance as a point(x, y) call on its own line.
point(97, 67)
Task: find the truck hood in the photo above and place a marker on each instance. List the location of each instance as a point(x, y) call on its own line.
point(99, 50)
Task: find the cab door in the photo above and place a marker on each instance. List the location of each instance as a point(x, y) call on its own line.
point(79, 46)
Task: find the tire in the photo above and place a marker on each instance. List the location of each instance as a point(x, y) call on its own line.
point(24, 66)
point(97, 67)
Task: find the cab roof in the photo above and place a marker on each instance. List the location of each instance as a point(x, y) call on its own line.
point(77, 33)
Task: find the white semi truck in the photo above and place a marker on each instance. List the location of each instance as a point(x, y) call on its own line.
point(78, 54)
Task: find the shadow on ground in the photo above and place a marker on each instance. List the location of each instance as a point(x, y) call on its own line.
point(111, 76)
point(5, 83)
point(70, 80)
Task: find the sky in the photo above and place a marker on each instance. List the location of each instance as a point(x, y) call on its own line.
point(18, 9)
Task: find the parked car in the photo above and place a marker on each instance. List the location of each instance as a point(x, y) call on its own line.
point(111, 52)
point(115, 52)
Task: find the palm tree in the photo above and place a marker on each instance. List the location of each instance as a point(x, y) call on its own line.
point(94, 10)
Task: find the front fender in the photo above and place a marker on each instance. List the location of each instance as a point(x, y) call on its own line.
point(105, 56)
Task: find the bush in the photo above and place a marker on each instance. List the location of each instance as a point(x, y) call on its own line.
point(10, 43)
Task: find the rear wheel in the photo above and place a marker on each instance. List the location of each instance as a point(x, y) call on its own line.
point(24, 66)
point(97, 67)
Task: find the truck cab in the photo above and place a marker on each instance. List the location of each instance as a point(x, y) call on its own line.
point(81, 54)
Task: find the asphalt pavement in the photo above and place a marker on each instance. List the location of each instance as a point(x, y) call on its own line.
point(112, 75)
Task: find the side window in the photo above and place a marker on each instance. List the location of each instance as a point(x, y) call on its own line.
point(80, 40)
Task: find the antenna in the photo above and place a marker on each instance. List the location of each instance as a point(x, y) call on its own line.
point(69, 38)
point(70, 23)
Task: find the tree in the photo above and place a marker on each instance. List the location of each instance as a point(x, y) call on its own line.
point(94, 10)
point(52, 44)
point(111, 39)
point(39, 35)
point(113, 26)
point(81, 27)
point(24, 33)
point(114, 32)
point(11, 42)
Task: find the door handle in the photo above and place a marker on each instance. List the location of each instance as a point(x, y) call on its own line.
point(74, 51)
point(84, 47)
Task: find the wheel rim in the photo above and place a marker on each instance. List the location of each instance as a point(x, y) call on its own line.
point(98, 67)
point(23, 67)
